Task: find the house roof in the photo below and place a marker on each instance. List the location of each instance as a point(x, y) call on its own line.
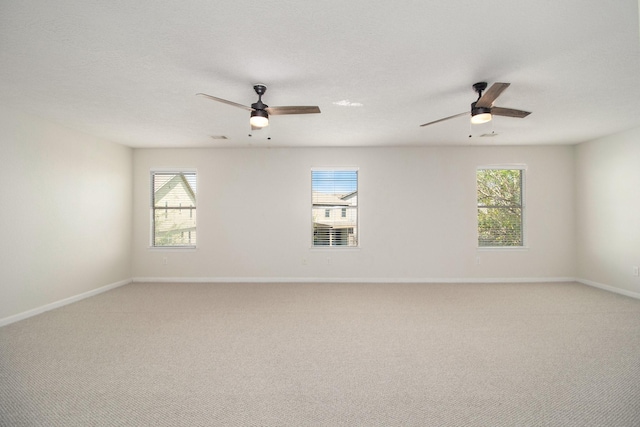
point(328, 199)
point(128, 71)
point(177, 187)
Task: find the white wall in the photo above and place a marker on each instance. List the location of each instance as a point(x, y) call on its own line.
point(65, 216)
point(608, 210)
point(417, 214)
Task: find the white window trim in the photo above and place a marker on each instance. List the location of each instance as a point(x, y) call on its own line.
point(525, 240)
point(153, 171)
point(358, 223)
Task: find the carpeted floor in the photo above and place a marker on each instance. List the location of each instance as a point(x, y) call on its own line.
point(553, 354)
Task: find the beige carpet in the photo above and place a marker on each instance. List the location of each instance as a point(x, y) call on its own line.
point(555, 354)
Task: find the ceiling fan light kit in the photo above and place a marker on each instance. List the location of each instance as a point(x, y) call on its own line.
point(480, 115)
point(259, 119)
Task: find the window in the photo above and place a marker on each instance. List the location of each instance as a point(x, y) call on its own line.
point(500, 207)
point(173, 206)
point(334, 191)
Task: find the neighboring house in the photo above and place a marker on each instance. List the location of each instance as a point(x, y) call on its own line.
point(174, 210)
point(335, 219)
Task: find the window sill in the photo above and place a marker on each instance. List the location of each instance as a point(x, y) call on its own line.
point(502, 248)
point(334, 248)
point(173, 248)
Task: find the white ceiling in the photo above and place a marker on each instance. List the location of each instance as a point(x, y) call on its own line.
point(128, 70)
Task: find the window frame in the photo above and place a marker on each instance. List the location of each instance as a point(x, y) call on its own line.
point(523, 206)
point(152, 209)
point(347, 231)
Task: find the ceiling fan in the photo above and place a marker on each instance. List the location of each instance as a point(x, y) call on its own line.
point(483, 109)
point(260, 111)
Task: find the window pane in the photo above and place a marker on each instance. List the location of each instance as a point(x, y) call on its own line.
point(499, 227)
point(499, 187)
point(174, 209)
point(334, 198)
point(174, 228)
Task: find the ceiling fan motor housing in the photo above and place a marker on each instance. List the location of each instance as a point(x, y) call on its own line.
point(259, 106)
point(479, 110)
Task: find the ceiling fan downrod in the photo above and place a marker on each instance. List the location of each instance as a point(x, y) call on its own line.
point(260, 90)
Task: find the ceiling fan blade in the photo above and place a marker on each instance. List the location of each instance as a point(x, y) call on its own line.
point(277, 111)
point(491, 94)
point(509, 112)
point(224, 101)
point(466, 113)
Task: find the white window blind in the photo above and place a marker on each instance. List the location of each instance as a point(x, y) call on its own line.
point(500, 207)
point(173, 205)
point(334, 206)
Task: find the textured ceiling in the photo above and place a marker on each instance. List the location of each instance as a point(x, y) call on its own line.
point(128, 70)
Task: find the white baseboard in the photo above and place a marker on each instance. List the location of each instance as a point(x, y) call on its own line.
point(609, 288)
point(383, 280)
point(61, 303)
point(349, 280)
